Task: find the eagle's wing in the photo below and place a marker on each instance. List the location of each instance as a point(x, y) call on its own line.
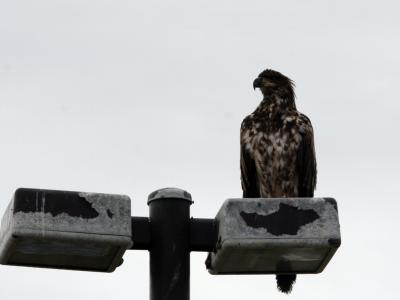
point(306, 162)
point(247, 169)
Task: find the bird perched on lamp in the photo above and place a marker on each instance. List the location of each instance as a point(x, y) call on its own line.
point(277, 156)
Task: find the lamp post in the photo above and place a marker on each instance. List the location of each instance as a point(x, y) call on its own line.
point(170, 244)
point(91, 232)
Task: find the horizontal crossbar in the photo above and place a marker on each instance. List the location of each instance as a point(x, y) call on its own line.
point(203, 234)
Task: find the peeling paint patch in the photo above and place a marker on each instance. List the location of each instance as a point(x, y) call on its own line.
point(286, 220)
point(54, 202)
point(332, 201)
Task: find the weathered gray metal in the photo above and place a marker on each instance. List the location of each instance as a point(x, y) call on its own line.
point(68, 230)
point(170, 193)
point(278, 235)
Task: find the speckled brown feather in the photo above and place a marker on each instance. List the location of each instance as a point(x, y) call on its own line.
point(277, 150)
point(277, 156)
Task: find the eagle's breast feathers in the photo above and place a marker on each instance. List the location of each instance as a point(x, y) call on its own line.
point(271, 150)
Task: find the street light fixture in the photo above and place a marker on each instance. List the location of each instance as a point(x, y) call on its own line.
point(278, 235)
point(89, 231)
point(66, 230)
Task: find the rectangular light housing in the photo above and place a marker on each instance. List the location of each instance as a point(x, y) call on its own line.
point(65, 230)
point(275, 236)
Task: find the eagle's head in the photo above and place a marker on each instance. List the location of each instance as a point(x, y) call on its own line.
point(270, 81)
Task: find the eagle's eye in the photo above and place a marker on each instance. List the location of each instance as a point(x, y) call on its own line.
point(269, 81)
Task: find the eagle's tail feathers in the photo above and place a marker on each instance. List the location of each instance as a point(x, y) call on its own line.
point(285, 282)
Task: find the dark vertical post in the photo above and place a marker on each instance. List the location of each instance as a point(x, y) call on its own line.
point(170, 242)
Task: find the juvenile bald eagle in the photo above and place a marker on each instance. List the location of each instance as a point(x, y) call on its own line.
point(277, 156)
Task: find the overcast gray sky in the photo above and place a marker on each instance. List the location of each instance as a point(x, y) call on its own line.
point(131, 96)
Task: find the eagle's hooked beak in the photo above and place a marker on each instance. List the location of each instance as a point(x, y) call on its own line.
point(257, 83)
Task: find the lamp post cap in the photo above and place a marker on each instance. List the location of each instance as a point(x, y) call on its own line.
point(170, 193)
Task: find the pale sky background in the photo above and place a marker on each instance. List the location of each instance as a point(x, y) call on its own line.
point(131, 96)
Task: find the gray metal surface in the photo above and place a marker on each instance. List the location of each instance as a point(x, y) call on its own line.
point(277, 235)
point(170, 193)
point(69, 230)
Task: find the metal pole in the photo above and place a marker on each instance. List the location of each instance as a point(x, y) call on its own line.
point(170, 244)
